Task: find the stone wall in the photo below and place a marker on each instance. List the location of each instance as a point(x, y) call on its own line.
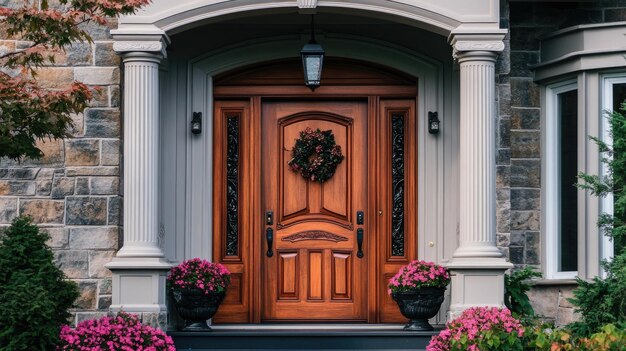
point(519, 162)
point(73, 192)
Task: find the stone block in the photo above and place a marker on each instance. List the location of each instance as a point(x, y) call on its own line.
point(115, 211)
point(102, 123)
point(45, 173)
point(503, 220)
point(104, 286)
point(521, 61)
point(97, 260)
point(503, 239)
point(155, 319)
point(8, 209)
point(92, 171)
point(82, 152)
point(19, 173)
point(524, 93)
point(79, 54)
point(615, 15)
point(88, 295)
point(525, 220)
point(105, 56)
point(100, 32)
point(566, 293)
point(55, 77)
point(526, 173)
point(503, 157)
point(544, 300)
point(97, 75)
point(94, 238)
point(85, 316)
point(533, 248)
point(526, 38)
point(52, 155)
point(516, 254)
point(74, 263)
point(6, 46)
point(518, 238)
point(61, 187)
point(110, 155)
point(100, 96)
point(44, 187)
point(504, 99)
point(17, 187)
point(86, 210)
point(525, 118)
point(504, 133)
point(43, 210)
point(105, 185)
point(104, 302)
point(59, 237)
point(503, 63)
point(114, 96)
point(525, 199)
point(503, 174)
point(525, 144)
point(82, 186)
point(565, 316)
point(77, 129)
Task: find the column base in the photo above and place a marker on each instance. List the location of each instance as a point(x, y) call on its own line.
point(476, 282)
point(139, 284)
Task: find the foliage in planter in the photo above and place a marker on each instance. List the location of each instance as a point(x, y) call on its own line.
point(603, 301)
point(480, 329)
point(199, 274)
point(34, 295)
point(515, 288)
point(419, 274)
point(122, 332)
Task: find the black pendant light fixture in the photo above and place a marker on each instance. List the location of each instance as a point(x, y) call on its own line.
point(312, 60)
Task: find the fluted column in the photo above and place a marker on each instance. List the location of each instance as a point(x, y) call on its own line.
point(141, 155)
point(478, 186)
point(477, 266)
point(139, 268)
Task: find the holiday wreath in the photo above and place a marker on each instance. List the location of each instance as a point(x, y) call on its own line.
point(316, 155)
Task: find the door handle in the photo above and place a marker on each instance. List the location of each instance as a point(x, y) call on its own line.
point(269, 236)
point(359, 241)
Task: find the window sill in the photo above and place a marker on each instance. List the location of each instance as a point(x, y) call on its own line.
point(549, 282)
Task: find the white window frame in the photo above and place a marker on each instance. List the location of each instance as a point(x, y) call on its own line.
point(552, 173)
point(606, 204)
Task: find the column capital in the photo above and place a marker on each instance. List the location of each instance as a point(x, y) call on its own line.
point(472, 44)
point(152, 46)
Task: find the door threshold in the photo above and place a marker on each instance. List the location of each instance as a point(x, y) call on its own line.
point(291, 326)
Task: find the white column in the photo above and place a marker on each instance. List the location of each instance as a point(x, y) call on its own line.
point(477, 265)
point(139, 268)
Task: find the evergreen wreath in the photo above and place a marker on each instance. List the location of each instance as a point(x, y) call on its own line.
point(316, 155)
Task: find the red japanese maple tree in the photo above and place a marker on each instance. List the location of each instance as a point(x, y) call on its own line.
point(28, 112)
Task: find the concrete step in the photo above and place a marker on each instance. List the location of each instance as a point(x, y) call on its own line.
point(303, 337)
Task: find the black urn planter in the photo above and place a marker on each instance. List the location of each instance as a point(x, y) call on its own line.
point(196, 308)
point(419, 306)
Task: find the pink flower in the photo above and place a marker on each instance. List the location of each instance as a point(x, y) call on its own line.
point(199, 274)
point(419, 274)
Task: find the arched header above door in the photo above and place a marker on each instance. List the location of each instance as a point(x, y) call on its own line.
point(442, 17)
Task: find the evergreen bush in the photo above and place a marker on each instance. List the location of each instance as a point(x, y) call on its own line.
point(34, 294)
point(603, 301)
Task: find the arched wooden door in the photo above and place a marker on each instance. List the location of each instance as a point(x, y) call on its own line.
point(300, 250)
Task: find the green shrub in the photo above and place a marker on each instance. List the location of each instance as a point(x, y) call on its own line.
point(34, 295)
point(610, 337)
point(515, 288)
point(603, 301)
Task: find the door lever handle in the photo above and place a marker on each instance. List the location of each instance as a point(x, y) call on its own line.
point(359, 241)
point(269, 236)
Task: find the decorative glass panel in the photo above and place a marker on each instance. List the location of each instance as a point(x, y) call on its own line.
point(397, 184)
point(232, 186)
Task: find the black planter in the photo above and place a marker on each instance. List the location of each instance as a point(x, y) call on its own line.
point(419, 306)
point(196, 308)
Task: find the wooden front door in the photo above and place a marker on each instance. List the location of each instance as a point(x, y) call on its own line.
point(315, 268)
point(314, 272)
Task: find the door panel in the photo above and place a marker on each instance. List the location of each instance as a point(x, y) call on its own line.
point(315, 274)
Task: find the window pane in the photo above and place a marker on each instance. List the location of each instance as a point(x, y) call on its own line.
point(568, 122)
point(619, 96)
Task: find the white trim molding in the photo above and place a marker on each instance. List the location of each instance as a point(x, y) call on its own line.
point(551, 184)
